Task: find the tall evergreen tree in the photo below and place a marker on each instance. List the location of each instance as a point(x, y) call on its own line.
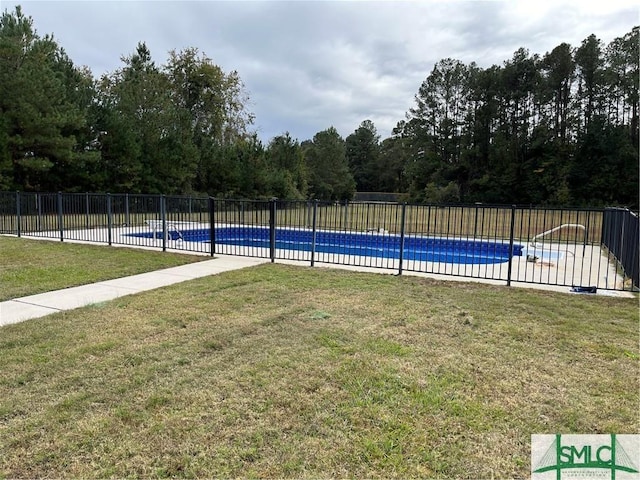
point(362, 151)
point(590, 62)
point(288, 176)
point(391, 173)
point(329, 175)
point(136, 98)
point(437, 125)
point(38, 115)
point(558, 72)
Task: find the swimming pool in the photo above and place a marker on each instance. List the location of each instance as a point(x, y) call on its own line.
point(382, 245)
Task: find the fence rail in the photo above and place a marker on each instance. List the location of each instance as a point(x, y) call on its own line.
point(595, 247)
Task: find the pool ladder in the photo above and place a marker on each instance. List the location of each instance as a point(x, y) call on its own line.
point(560, 227)
point(158, 226)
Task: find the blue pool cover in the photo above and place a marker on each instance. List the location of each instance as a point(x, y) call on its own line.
point(416, 248)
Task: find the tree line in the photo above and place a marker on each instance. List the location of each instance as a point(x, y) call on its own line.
point(555, 129)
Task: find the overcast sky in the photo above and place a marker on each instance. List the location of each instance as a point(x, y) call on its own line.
point(310, 65)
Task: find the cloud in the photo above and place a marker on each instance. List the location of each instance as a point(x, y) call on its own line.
point(308, 65)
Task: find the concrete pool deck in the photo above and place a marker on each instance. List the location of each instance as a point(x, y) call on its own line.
point(560, 264)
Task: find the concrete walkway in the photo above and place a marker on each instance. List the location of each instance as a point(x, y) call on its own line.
point(35, 306)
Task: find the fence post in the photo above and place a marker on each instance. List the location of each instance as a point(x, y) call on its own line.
point(60, 221)
point(633, 266)
point(402, 222)
point(18, 219)
point(212, 225)
point(346, 215)
point(513, 224)
point(586, 232)
point(86, 201)
point(272, 229)
point(127, 218)
point(163, 217)
point(39, 208)
point(603, 228)
point(109, 219)
point(313, 232)
point(475, 222)
point(623, 227)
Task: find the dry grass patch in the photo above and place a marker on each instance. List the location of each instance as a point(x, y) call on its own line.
point(28, 266)
point(280, 371)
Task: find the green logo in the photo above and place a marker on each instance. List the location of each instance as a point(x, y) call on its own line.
point(585, 456)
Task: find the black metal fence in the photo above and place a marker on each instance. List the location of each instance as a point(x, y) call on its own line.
point(621, 235)
point(551, 246)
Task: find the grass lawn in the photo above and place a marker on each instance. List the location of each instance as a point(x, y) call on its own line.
point(28, 267)
point(282, 371)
